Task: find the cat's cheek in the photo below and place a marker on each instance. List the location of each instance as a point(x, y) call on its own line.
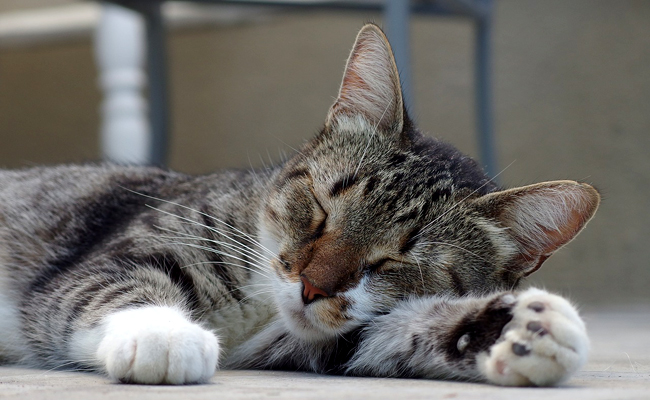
point(269, 245)
point(366, 300)
point(291, 309)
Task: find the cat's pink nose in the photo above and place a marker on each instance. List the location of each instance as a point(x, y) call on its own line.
point(311, 292)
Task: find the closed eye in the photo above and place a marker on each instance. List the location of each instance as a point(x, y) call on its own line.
point(389, 264)
point(374, 267)
point(409, 241)
point(320, 216)
point(320, 228)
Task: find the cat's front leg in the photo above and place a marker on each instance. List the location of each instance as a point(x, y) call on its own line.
point(526, 338)
point(544, 343)
point(149, 345)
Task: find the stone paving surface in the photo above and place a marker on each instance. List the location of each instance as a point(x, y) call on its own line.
point(619, 368)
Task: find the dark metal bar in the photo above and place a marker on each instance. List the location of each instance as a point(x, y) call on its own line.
point(479, 10)
point(396, 17)
point(483, 73)
point(157, 70)
point(462, 8)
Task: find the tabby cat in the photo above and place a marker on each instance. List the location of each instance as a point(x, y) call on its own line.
point(373, 251)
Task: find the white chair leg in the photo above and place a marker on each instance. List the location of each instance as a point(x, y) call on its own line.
point(120, 54)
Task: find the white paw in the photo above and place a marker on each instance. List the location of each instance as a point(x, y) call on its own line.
point(544, 344)
point(157, 345)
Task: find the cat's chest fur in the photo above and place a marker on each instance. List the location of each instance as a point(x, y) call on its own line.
point(237, 323)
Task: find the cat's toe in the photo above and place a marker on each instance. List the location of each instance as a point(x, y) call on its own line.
point(157, 345)
point(193, 361)
point(543, 345)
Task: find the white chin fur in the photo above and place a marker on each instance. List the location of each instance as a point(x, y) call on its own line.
point(298, 318)
point(304, 322)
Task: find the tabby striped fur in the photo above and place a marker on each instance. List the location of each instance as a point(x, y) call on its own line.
point(372, 251)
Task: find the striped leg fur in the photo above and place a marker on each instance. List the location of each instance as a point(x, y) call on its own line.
point(531, 338)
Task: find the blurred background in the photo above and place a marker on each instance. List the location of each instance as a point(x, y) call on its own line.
point(571, 82)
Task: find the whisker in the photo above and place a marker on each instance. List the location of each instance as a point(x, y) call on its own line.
point(236, 246)
point(226, 263)
point(64, 365)
point(259, 292)
point(458, 247)
point(243, 234)
point(262, 161)
point(216, 230)
point(421, 274)
point(268, 154)
point(253, 170)
point(265, 285)
point(286, 144)
point(196, 246)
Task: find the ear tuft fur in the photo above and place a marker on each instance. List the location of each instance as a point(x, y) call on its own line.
point(371, 86)
point(542, 217)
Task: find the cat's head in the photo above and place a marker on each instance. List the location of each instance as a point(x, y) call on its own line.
point(370, 211)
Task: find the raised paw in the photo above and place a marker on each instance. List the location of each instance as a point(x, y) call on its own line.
point(157, 345)
point(543, 344)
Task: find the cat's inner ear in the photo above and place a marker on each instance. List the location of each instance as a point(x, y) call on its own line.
point(371, 86)
point(542, 217)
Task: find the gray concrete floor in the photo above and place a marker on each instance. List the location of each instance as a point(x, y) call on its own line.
point(619, 368)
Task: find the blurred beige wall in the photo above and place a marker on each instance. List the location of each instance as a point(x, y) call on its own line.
point(572, 101)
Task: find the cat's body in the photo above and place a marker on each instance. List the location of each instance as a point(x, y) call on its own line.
point(94, 223)
point(373, 251)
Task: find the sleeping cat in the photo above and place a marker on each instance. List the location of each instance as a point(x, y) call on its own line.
point(373, 251)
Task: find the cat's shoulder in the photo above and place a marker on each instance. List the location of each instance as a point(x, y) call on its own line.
point(79, 176)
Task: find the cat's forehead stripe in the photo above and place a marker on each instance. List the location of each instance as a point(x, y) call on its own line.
point(294, 174)
point(370, 185)
point(343, 184)
point(409, 241)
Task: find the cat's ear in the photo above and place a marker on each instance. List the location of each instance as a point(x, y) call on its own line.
point(541, 217)
point(371, 85)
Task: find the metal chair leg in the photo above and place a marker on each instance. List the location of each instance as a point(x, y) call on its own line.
point(484, 120)
point(397, 19)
